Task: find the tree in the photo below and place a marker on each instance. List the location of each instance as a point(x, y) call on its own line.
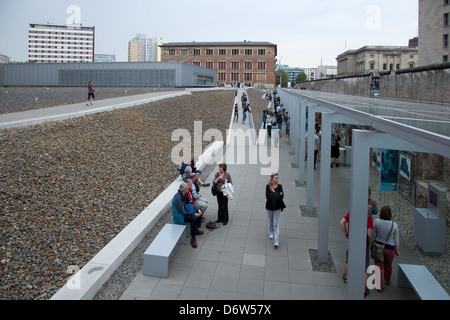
point(301, 77)
point(284, 78)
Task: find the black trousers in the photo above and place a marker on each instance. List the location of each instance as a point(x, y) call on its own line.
point(196, 222)
point(222, 202)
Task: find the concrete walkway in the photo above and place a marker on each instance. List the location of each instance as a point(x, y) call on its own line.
point(238, 261)
point(24, 118)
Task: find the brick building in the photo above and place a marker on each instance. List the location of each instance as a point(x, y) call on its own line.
point(248, 62)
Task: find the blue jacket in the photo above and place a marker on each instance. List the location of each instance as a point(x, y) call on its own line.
point(178, 208)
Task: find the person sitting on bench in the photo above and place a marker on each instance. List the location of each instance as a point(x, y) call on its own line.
point(181, 214)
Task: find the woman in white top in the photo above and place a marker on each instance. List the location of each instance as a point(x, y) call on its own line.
point(385, 231)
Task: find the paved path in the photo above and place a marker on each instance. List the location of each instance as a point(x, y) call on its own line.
point(20, 119)
point(238, 261)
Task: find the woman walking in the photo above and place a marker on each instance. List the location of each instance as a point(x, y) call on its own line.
point(385, 232)
point(274, 206)
point(91, 95)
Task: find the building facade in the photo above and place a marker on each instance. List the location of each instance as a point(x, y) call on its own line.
point(434, 31)
point(50, 43)
point(106, 74)
point(374, 59)
point(143, 49)
point(235, 62)
point(325, 71)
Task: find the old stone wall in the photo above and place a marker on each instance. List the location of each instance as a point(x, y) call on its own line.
point(427, 85)
point(352, 85)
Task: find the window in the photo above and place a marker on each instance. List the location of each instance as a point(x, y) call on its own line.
point(397, 66)
point(235, 65)
point(445, 19)
point(184, 52)
point(171, 52)
point(209, 52)
point(196, 63)
point(445, 59)
point(384, 66)
point(235, 77)
point(372, 66)
point(235, 52)
point(248, 65)
point(222, 52)
point(261, 66)
point(196, 52)
point(248, 76)
point(261, 52)
point(222, 76)
point(445, 40)
point(248, 52)
point(222, 65)
point(210, 64)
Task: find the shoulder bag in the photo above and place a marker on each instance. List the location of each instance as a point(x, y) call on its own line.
point(377, 251)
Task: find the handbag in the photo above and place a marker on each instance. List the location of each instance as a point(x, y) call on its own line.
point(377, 251)
point(214, 190)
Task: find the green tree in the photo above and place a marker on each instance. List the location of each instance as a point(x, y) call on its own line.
point(301, 77)
point(284, 78)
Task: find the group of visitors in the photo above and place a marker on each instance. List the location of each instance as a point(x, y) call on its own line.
point(245, 109)
point(273, 121)
point(382, 235)
point(188, 205)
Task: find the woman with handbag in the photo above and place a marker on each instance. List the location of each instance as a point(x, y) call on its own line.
point(274, 206)
point(219, 181)
point(386, 239)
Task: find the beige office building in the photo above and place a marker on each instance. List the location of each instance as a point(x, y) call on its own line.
point(374, 59)
point(433, 31)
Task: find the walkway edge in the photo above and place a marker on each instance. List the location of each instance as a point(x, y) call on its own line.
point(88, 280)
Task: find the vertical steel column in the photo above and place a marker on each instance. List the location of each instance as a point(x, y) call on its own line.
point(301, 142)
point(325, 155)
point(358, 215)
point(327, 119)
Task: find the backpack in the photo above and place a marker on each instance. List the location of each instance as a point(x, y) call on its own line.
point(182, 168)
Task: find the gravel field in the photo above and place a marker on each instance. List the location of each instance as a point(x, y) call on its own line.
point(68, 187)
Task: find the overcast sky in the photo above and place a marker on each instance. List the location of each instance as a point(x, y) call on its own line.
point(307, 32)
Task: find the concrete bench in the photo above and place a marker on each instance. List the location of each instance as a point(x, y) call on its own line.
point(157, 255)
point(422, 282)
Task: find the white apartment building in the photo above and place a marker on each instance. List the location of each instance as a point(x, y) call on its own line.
point(50, 43)
point(311, 74)
point(143, 48)
point(434, 30)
